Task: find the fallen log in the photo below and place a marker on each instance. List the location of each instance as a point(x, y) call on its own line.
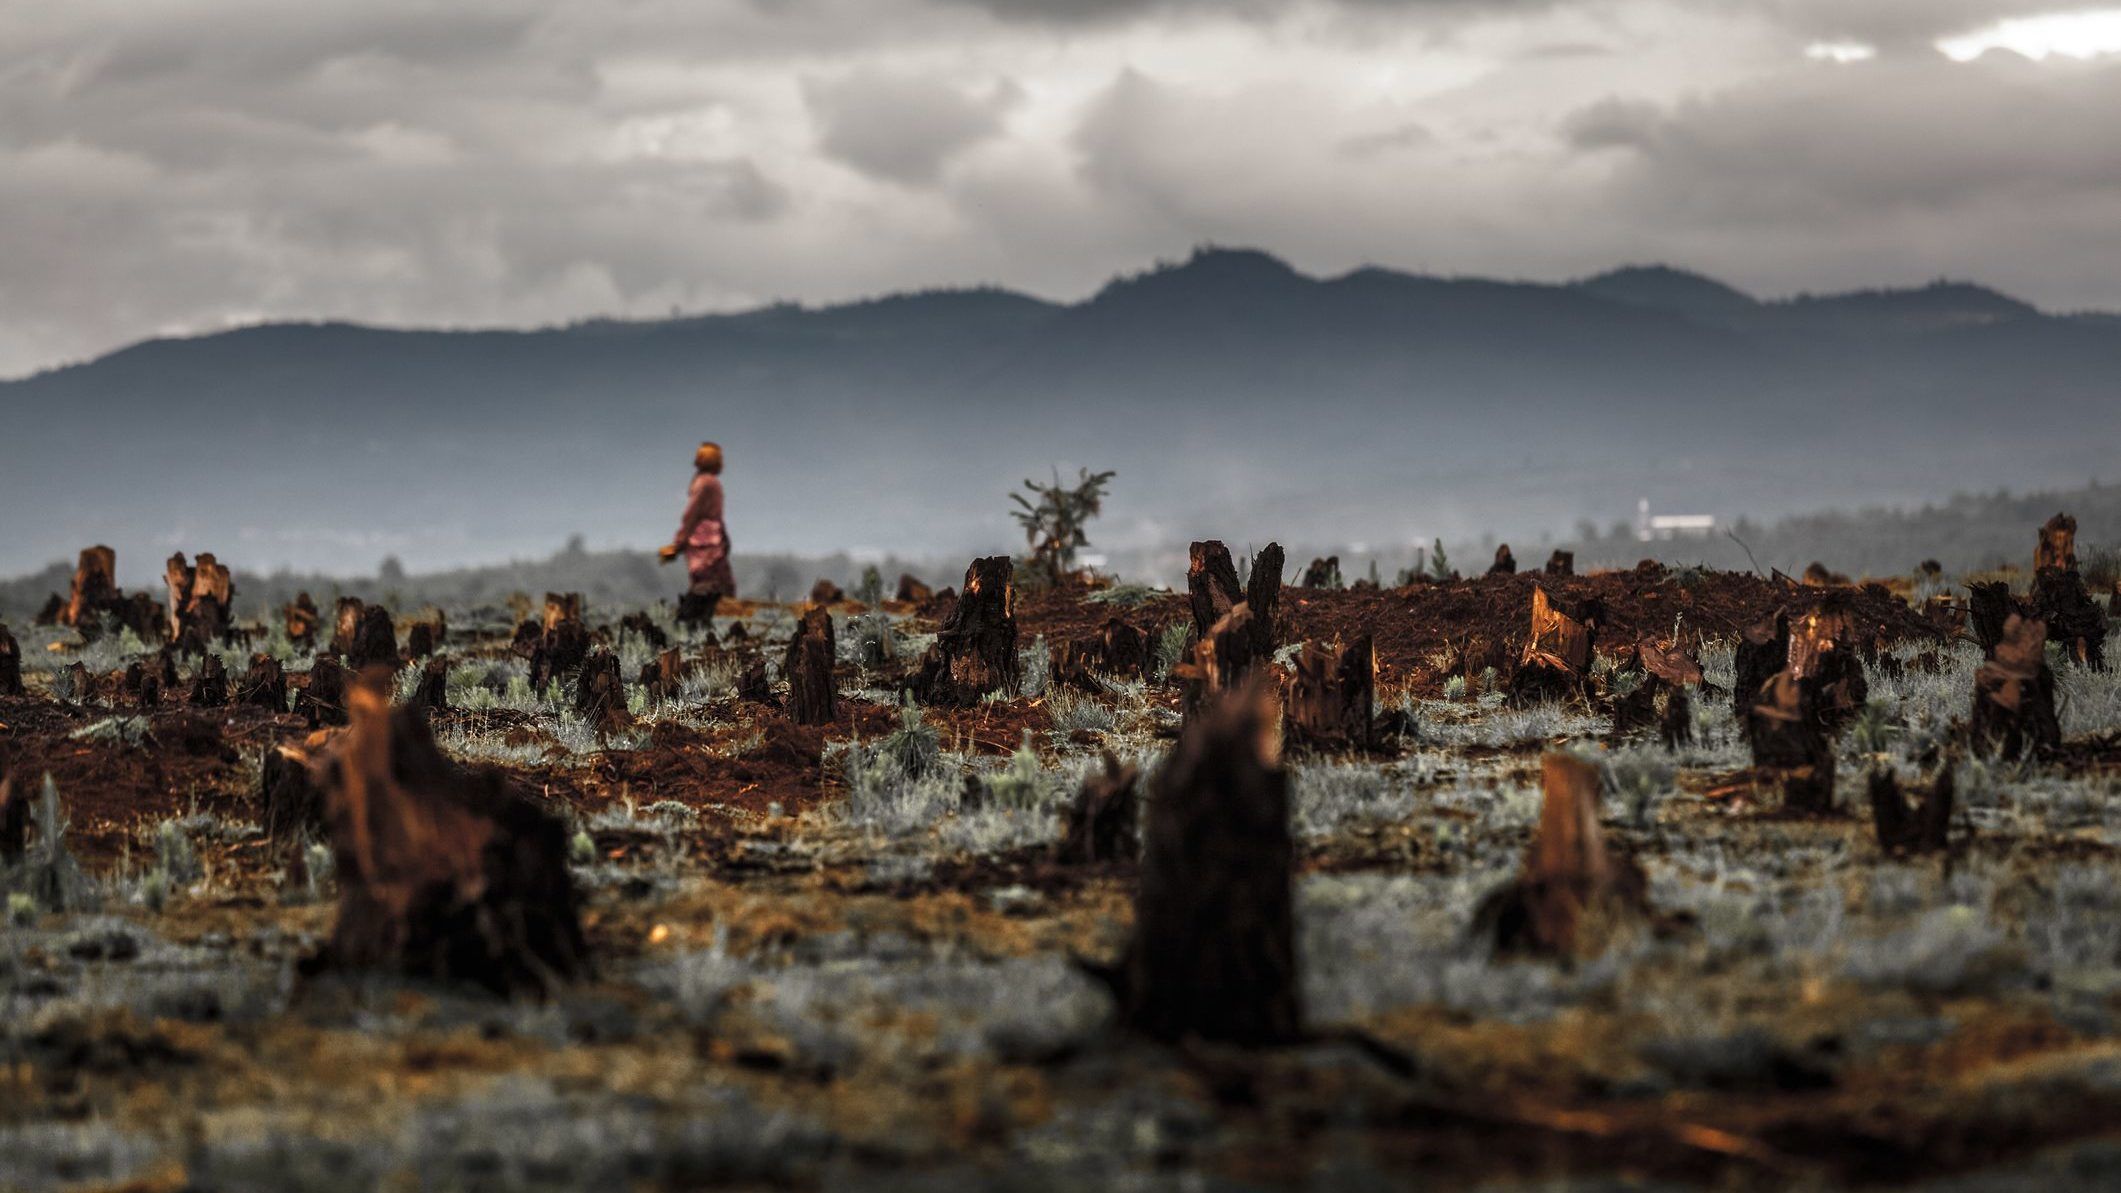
point(1575, 896)
point(1213, 954)
point(1505, 563)
point(975, 649)
point(2014, 695)
point(812, 693)
point(1332, 697)
point(1922, 828)
point(1102, 822)
point(443, 872)
point(264, 685)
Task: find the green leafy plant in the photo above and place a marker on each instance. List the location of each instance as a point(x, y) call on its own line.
point(1054, 516)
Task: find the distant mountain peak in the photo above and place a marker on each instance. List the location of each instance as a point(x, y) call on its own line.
point(1210, 268)
point(1664, 288)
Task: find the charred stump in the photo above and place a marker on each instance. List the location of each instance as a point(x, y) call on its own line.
point(52, 613)
point(825, 592)
point(2060, 598)
point(322, 701)
point(912, 591)
point(1332, 697)
point(1561, 563)
point(1790, 744)
point(1102, 823)
point(301, 620)
point(2014, 694)
point(753, 685)
point(1675, 725)
point(1763, 650)
point(431, 693)
point(2057, 550)
point(209, 686)
point(14, 822)
point(1213, 954)
point(346, 625)
point(1556, 662)
point(600, 691)
point(812, 694)
point(664, 679)
point(1575, 896)
point(1924, 827)
point(559, 650)
point(1125, 648)
point(419, 641)
point(1823, 656)
point(443, 872)
point(95, 587)
point(291, 788)
point(1988, 606)
point(696, 609)
point(10, 664)
point(200, 597)
point(975, 650)
point(375, 640)
point(1505, 563)
point(1321, 573)
point(1212, 586)
point(264, 685)
point(642, 626)
point(1220, 661)
point(1263, 597)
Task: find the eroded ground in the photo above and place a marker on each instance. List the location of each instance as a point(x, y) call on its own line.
point(842, 958)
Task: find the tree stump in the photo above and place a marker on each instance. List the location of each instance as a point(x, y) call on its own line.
point(1988, 606)
point(14, 822)
point(600, 691)
point(346, 625)
point(664, 679)
point(1102, 823)
point(322, 700)
point(561, 607)
point(419, 641)
point(74, 684)
point(1763, 650)
point(1561, 563)
point(912, 591)
point(1211, 584)
point(1505, 563)
point(2060, 598)
point(1923, 828)
point(1219, 661)
point(1675, 726)
point(264, 685)
point(825, 592)
point(1822, 657)
point(443, 872)
point(1332, 696)
point(2014, 694)
point(562, 641)
point(291, 787)
point(1790, 744)
point(200, 596)
point(753, 686)
point(10, 664)
point(1213, 954)
point(1322, 573)
point(52, 613)
point(375, 640)
point(1556, 662)
point(431, 693)
point(301, 620)
point(642, 626)
point(2057, 549)
point(95, 587)
point(812, 694)
point(209, 687)
point(1575, 896)
point(1125, 648)
point(975, 650)
point(1263, 596)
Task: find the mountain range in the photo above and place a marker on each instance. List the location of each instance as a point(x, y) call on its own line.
point(1235, 396)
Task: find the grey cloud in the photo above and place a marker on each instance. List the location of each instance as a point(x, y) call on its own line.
point(902, 127)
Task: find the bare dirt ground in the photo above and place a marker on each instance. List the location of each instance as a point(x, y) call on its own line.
point(843, 955)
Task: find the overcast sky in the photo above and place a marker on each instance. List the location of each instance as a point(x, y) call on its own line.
point(182, 165)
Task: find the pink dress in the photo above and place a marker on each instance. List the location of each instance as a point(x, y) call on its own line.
point(705, 539)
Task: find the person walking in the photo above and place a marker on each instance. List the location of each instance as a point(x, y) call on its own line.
point(703, 539)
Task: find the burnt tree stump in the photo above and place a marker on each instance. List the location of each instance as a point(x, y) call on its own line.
point(1556, 663)
point(1213, 954)
point(200, 597)
point(14, 822)
point(1988, 606)
point(10, 663)
point(431, 693)
point(2014, 694)
point(444, 872)
point(291, 787)
point(1561, 563)
point(1321, 573)
point(95, 587)
point(322, 701)
point(1763, 650)
point(812, 694)
point(1789, 742)
point(1332, 696)
point(1102, 823)
point(975, 649)
point(753, 686)
point(1220, 661)
point(419, 641)
point(642, 626)
point(825, 592)
point(1263, 597)
point(561, 641)
point(2057, 549)
point(1125, 648)
point(346, 625)
point(664, 679)
point(264, 685)
point(1211, 584)
point(301, 620)
point(912, 591)
point(2060, 598)
point(1575, 895)
point(1505, 563)
point(375, 640)
point(209, 686)
point(1822, 656)
point(1903, 829)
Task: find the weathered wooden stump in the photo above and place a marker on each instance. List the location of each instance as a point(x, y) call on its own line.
point(2014, 694)
point(95, 587)
point(1076, 665)
point(1125, 648)
point(443, 872)
point(209, 685)
point(1211, 584)
point(1675, 723)
point(1575, 896)
point(1102, 823)
point(1989, 605)
point(1823, 658)
point(346, 624)
point(912, 591)
point(10, 663)
point(1220, 661)
point(562, 641)
point(975, 650)
point(753, 686)
point(431, 693)
point(812, 694)
point(51, 614)
point(14, 822)
point(1213, 954)
point(301, 620)
point(2060, 597)
point(1790, 744)
point(696, 609)
point(1561, 563)
point(1321, 573)
point(1922, 828)
point(200, 597)
point(375, 640)
point(264, 685)
point(1263, 597)
point(75, 685)
point(600, 691)
point(1763, 650)
point(1332, 696)
point(664, 679)
point(561, 607)
point(322, 700)
point(2057, 549)
point(642, 626)
point(1505, 563)
point(291, 787)
point(1556, 661)
point(825, 592)
point(419, 641)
